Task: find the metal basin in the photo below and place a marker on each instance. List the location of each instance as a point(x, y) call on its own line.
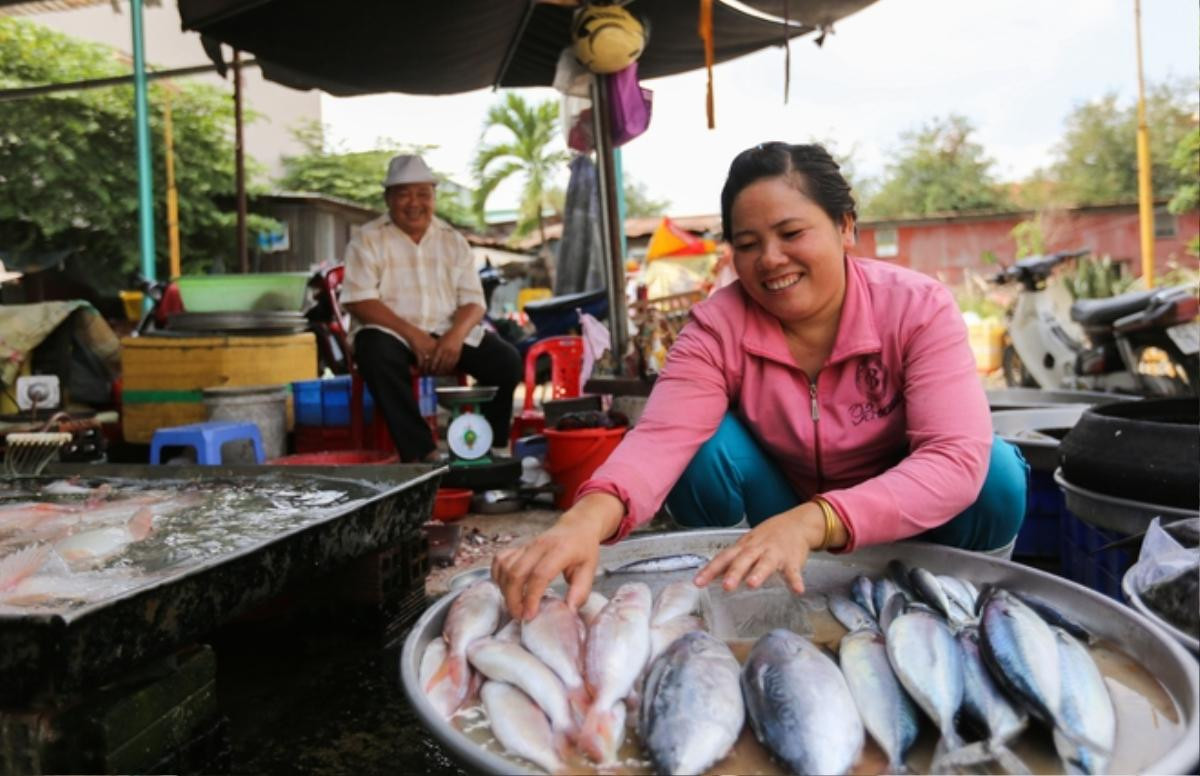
point(1135, 600)
point(1134, 634)
point(453, 396)
point(1037, 432)
point(1028, 398)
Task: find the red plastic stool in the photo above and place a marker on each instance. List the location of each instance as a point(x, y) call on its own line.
point(566, 367)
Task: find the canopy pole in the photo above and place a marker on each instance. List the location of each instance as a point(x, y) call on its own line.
point(142, 127)
point(240, 155)
point(1145, 197)
point(612, 233)
point(172, 195)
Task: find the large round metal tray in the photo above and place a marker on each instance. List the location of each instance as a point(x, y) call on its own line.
point(263, 322)
point(1027, 398)
point(1135, 600)
point(1133, 633)
point(1115, 514)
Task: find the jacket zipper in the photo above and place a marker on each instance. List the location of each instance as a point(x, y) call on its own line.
point(816, 417)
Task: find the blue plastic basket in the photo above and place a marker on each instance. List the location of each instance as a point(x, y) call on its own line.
point(327, 402)
point(1045, 505)
point(1101, 571)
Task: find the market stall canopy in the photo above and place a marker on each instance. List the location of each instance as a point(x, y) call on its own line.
point(448, 47)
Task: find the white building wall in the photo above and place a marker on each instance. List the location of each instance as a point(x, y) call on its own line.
point(279, 109)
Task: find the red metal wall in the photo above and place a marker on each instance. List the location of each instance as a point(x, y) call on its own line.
point(944, 247)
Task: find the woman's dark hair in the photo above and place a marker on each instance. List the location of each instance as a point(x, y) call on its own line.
point(810, 167)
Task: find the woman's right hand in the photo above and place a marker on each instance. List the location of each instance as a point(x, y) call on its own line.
point(571, 548)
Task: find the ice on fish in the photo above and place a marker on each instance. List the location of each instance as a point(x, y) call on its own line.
point(799, 705)
point(99, 544)
point(692, 709)
point(520, 726)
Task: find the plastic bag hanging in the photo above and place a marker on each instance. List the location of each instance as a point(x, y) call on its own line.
point(630, 105)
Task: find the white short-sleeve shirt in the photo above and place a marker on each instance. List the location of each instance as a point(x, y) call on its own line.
point(424, 283)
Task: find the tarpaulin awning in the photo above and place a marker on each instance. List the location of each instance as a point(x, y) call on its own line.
point(457, 46)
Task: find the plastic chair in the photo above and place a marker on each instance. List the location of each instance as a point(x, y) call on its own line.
point(206, 439)
point(566, 367)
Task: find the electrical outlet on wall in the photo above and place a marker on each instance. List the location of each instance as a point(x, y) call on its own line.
point(40, 390)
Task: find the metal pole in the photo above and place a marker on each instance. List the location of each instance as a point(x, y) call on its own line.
point(612, 231)
point(142, 126)
point(1145, 195)
point(240, 155)
point(622, 210)
point(172, 194)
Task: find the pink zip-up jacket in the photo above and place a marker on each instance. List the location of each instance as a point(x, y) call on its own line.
point(895, 432)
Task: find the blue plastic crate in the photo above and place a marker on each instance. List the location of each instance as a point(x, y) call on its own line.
point(335, 402)
point(306, 398)
point(1045, 505)
point(1101, 571)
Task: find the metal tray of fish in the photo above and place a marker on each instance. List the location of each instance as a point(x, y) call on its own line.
point(1159, 736)
point(243, 534)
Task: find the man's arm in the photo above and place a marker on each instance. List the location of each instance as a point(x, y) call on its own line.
point(375, 312)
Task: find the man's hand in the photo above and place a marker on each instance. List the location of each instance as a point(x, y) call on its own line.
point(781, 543)
point(446, 352)
point(423, 347)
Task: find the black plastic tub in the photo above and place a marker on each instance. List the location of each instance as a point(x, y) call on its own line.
point(72, 647)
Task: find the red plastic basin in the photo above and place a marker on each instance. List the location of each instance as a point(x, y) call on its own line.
point(451, 503)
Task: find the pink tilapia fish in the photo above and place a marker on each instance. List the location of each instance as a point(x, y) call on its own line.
point(556, 637)
point(521, 727)
point(675, 600)
point(503, 661)
point(54, 582)
point(618, 646)
point(510, 632)
point(90, 548)
point(20, 517)
point(592, 606)
point(17, 566)
point(474, 615)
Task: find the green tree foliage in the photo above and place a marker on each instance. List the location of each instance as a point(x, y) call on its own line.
point(639, 203)
point(938, 169)
point(357, 176)
point(531, 131)
point(68, 171)
point(1096, 162)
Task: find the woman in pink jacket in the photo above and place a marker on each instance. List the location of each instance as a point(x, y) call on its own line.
point(829, 400)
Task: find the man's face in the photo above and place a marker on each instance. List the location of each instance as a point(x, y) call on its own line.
point(411, 207)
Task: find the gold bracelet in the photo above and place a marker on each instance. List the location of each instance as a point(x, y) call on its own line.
point(831, 521)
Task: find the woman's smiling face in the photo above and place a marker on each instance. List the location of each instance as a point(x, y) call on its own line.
point(787, 251)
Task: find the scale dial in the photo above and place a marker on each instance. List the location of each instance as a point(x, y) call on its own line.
point(469, 436)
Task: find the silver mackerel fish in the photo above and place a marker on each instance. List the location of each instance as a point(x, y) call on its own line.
point(692, 710)
point(799, 705)
point(888, 713)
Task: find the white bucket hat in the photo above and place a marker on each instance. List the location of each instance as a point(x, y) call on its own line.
point(408, 168)
point(6, 275)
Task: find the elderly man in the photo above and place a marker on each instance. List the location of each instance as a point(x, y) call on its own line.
point(416, 300)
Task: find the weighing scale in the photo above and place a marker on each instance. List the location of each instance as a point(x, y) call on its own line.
point(469, 435)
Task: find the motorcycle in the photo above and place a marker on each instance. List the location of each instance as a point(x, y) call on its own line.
point(1143, 342)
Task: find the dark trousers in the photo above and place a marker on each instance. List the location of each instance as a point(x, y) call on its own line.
point(386, 365)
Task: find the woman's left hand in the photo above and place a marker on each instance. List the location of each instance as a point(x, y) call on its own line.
point(781, 543)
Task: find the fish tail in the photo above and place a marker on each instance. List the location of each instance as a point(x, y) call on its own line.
point(597, 733)
point(948, 753)
point(21, 564)
point(580, 701)
point(141, 523)
point(1007, 759)
point(452, 667)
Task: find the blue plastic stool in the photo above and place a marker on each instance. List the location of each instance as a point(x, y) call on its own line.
point(206, 439)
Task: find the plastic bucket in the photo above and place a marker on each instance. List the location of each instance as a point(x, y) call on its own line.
point(572, 456)
point(263, 405)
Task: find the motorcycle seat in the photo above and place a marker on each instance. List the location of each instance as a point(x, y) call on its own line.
point(1098, 312)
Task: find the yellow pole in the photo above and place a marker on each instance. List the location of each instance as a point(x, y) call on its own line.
point(1145, 197)
point(172, 194)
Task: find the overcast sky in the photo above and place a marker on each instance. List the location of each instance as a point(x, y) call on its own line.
point(1015, 68)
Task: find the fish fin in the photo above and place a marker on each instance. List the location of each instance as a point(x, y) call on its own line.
point(21, 564)
point(946, 753)
point(140, 524)
point(580, 701)
point(451, 667)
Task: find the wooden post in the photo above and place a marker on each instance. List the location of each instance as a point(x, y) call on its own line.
point(243, 254)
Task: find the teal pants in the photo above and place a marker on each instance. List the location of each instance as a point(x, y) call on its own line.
point(731, 477)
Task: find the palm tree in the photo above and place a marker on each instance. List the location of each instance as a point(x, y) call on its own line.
point(532, 129)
